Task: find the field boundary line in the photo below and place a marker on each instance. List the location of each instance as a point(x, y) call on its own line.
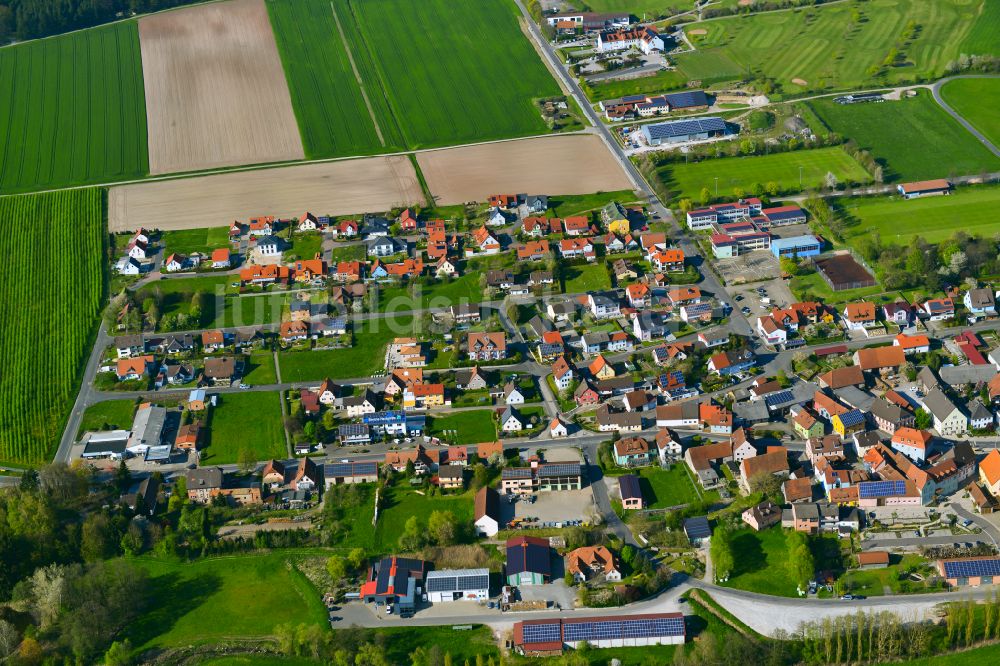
point(357, 74)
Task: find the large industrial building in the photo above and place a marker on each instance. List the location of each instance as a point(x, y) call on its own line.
point(549, 637)
point(679, 131)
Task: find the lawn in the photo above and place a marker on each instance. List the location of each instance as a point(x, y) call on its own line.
point(977, 101)
point(471, 427)
point(430, 71)
point(328, 100)
point(844, 45)
point(75, 110)
point(872, 582)
point(259, 368)
point(662, 81)
point(51, 291)
point(400, 503)
point(665, 488)
point(305, 245)
point(575, 204)
point(585, 277)
point(709, 67)
point(230, 430)
point(440, 293)
point(974, 657)
point(253, 310)
point(888, 130)
point(364, 357)
point(653, 9)
point(813, 287)
point(211, 600)
point(722, 176)
point(108, 415)
point(188, 241)
point(762, 561)
point(176, 294)
point(969, 209)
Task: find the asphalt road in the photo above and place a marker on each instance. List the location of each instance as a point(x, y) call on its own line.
point(936, 91)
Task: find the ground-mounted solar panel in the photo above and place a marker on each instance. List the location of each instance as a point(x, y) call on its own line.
point(542, 633)
point(972, 568)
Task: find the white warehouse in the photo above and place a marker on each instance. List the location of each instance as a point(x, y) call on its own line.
point(458, 585)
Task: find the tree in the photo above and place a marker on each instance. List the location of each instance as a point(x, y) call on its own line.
point(441, 527)
point(370, 654)
point(685, 205)
point(801, 565)
point(412, 537)
point(356, 558)
point(705, 195)
point(246, 460)
point(98, 540)
point(480, 476)
point(765, 483)
point(9, 638)
point(922, 419)
point(336, 566)
point(119, 654)
point(772, 188)
point(29, 481)
point(721, 551)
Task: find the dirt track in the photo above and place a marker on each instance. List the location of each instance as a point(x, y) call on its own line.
point(216, 93)
point(573, 164)
point(345, 187)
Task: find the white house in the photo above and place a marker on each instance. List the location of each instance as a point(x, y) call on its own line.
point(557, 428)
point(511, 420)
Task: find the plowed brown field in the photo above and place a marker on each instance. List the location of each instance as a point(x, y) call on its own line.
point(216, 93)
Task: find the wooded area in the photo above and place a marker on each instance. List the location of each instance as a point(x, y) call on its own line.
point(29, 19)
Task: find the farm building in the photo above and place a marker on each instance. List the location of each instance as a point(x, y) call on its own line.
point(458, 585)
point(974, 571)
point(529, 561)
point(842, 271)
point(547, 637)
point(677, 131)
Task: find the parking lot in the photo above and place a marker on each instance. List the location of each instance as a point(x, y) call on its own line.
point(750, 267)
point(557, 507)
point(749, 298)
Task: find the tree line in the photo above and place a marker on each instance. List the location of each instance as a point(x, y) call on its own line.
point(30, 19)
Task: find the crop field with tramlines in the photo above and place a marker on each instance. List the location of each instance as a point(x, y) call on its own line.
point(374, 76)
point(74, 110)
point(50, 299)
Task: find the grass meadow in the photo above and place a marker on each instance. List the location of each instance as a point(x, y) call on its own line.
point(977, 100)
point(470, 427)
point(75, 110)
point(762, 560)
point(914, 139)
point(687, 180)
point(364, 357)
point(934, 219)
point(188, 241)
point(211, 600)
point(836, 46)
point(108, 415)
point(230, 432)
point(51, 291)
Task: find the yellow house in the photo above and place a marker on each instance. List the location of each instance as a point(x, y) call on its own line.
point(424, 395)
point(615, 218)
point(848, 422)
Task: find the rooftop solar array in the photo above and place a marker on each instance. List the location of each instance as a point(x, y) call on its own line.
point(516, 473)
point(459, 580)
point(685, 127)
point(697, 527)
point(602, 630)
point(778, 397)
point(351, 429)
point(967, 568)
point(852, 418)
point(542, 633)
point(686, 99)
point(875, 489)
point(559, 469)
point(350, 469)
point(629, 486)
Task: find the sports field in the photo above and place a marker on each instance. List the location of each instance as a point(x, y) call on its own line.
point(332, 111)
point(687, 180)
point(453, 72)
point(977, 100)
point(51, 288)
point(835, 46)
point(73, 111)
point(972, 210)
point(915, 138)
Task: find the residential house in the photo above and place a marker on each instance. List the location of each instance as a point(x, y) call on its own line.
point(912, 443)
point(912, 344)
point(222, 370)
point(511, 420)
point(633, 452)
point(486, 346)
point(761, 516)
point(648, 325)
point(860, 316)
point(949, 420)
point(557, 428)
point(589, 562)
point(562, 374)
point(134, 368)
point(578, 225)
point(939, 309)
point(980, 302)
point(850, 421)
point(731, 362)
point(668, 445)
point(775, 462)
point(600, 368)
point(889, 417)
point(899, 313)
point(989, 472)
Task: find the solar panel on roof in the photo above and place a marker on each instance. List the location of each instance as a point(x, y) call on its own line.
point(967, 568)
point(542, 633)
point(685, 127)
point(599, 630)
point(875, 489)
point(772, 399)
point(559, 469)
point(629, 486)
point(852, 418)
point(442, 584)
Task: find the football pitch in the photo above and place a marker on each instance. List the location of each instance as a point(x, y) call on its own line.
point(934, 219)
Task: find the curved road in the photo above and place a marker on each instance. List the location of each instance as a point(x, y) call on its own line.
point(936, 91)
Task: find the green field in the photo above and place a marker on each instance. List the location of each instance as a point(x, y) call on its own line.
point(977, 101)
point(253, 310)
point(443, 293)
point(934, 219)
point(364, 357)
point(687, 180)
point(432, 71)
point(762, 560)
point(586, 277)
point(399, 504)
point(259, 368)
point(214, 599)
point(74, 110)
point(230, 428)
point(187, 241)
point(653, 9)
point(889, 131)
point(51, 290)
point(329, 105)
point(660, 82)
point(108, 415)
point(472, 427)
point(831, 47)
point(709, 66)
